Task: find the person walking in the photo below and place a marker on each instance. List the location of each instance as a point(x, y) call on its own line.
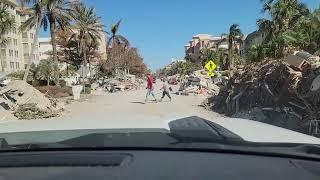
point(165, 90)
point(150, 88)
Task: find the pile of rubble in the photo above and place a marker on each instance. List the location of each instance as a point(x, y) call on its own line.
point(116, 84)
point(282, 92)
point(197, 83)
point(27, 102)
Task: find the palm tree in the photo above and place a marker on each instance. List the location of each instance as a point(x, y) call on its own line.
point(115, 38)
point(6, 24)
point(285, 14)
point(88, 29)
point(48, 12)
point(207, 54)
point(316, 18)
point(234, 36)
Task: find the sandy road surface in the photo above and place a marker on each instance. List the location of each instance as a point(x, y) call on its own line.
point(94, 111)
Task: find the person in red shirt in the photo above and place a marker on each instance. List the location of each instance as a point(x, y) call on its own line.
point(150, 87)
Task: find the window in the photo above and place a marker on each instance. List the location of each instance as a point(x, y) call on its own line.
point(25, 66)
point(25, 35)
point(3, 53)
point(9, 41)
point(16, 54)
point(25, 47)
point(17, 65)
point(31, 35)
point(4, 63)
point(12, 65)
point(11, 53)
point(15, 42)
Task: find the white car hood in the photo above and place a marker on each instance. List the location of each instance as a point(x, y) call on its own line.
point(249, 130)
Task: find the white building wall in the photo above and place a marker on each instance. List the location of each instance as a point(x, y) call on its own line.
point(45, 47)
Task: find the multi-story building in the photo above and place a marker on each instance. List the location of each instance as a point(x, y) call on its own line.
point(200, 41)
point(16, 54)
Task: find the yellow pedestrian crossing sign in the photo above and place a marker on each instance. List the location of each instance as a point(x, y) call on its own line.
point(210, 74)
point(210, 66)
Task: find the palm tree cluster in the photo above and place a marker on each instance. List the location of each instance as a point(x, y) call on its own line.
point(66, 16)
point(77, 31)
point(226, 58)
point(291, 26)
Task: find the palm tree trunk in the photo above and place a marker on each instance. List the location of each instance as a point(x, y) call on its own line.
point(230, 58)
point(53, 41)
point(35, 40)
point(54, 44)
point(84, 51)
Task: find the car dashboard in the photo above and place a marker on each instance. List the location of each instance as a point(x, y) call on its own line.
point(152, 164)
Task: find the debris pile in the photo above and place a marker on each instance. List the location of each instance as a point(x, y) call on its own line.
point(121, 83)
point(26, 101)
point(197, 83)
point(273, 91)
point(32, 111)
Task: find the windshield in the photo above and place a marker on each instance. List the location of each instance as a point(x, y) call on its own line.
point(159, 73)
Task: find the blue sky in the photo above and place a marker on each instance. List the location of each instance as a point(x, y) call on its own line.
point(161, 28)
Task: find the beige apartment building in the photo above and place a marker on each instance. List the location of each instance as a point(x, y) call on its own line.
point(17, 53)
point(200, 41)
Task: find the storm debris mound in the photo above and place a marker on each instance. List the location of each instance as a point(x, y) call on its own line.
point(27, 102)
point(31, 111)
point(273, 91)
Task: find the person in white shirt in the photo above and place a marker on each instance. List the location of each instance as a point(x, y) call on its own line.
point(165, 90)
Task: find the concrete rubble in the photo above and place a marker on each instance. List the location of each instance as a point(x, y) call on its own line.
point(26, 102)
point(198, 83)
point(283, 92)
point(121, 83)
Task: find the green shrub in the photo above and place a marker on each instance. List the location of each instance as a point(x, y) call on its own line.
point(17, 75)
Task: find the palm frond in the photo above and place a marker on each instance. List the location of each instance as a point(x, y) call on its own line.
point(114, 28)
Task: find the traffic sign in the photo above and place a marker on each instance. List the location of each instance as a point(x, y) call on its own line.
point(210, 74)
point(210, 66)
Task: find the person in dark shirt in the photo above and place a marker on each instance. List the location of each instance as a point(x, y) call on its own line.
point(150, 88)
